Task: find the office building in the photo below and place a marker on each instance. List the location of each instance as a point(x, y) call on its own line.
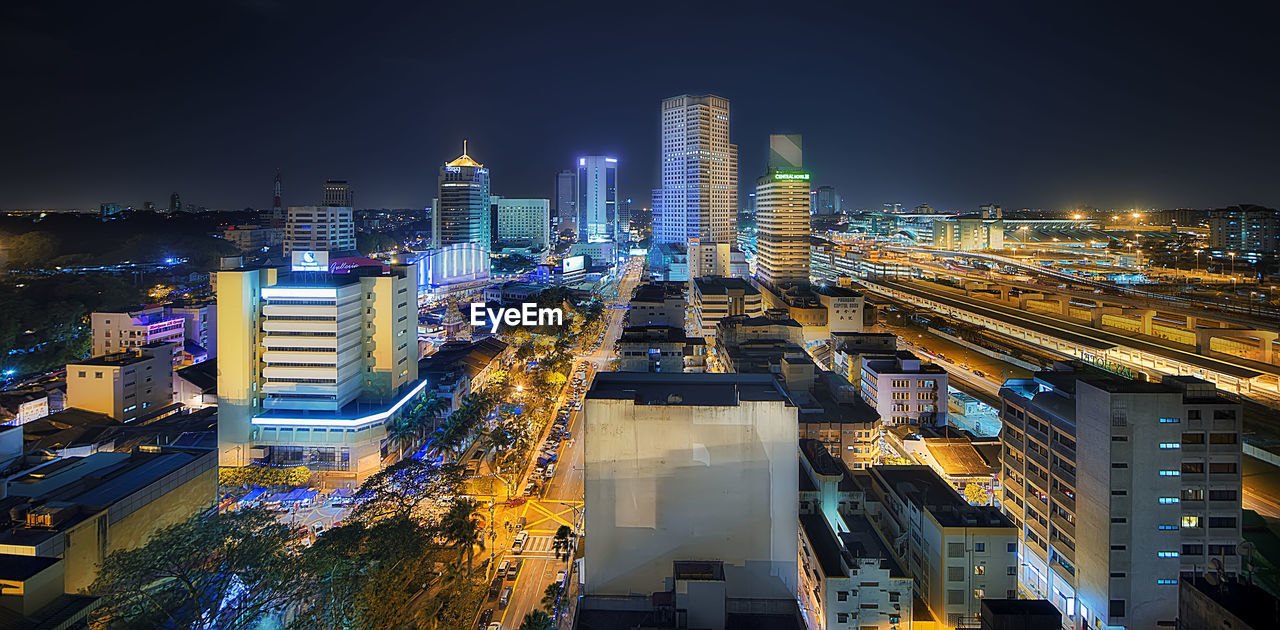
point(717, 298)
point(125, 384)
point(524, 221)
point(957, 553)
point(699, 195)
point(175, 203)
point(78, 509)
point(319, 229)
point(624, 220)
point(967, 234)
point(460, 212)
point(825, 201)
point(1119, 488)
point(782, 215)
point(660, 348)
point(597, 198)
point(566, 203)
point(313, 366)
point(338, 194)
point(673, 464)
point(904, 390)
point(1246, 229)
point(658, 304)
point(199, 329)
point(848, 350)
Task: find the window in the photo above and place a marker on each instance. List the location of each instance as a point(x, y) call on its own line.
point(1166, 581)
point(1011, 570)
point(1193, 414)
point(1119, 519)
point(1119, 438)
point(979, 569)
point(1193, 468)
point(1118, 574)
point(1170, 445)
point(1119, 493)
point(1193, 494)
point(842, 596)
point(1222, 521)
point(955, 550)
point(842, 617)
point(1222, 467)
point(980, 547)
point(1118, 547)
point(1166, 554)
point(955, 596)
point(1119, 465)
point(97, 374)
point(1222, 438)
point(1170, 473)
point(1222, 495)
point(1168, 500)
point(979, 593)
point(955, 574)
point(1169, 421)
point(1013, 547)
point(1166, 528)
point(1190, 521)
point(1192, 438)
point(1193, 550)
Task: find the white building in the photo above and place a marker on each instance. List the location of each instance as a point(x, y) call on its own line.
point(958, 554)
point(658, 304)
point(524, 220)
point(968, 234)
point(1120, 489)
point(905, 391)
point(717, 298)
point(691, 467)
point(319, 229)
point(597, 204)
point(114, 332)
point(699, 195)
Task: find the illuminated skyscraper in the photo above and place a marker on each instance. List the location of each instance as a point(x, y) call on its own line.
point(597, 198)
point(338, 194)
point(782, 215)
point(699, 172)
point(460, 214)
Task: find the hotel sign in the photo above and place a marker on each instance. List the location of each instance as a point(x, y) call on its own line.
point(786, 176)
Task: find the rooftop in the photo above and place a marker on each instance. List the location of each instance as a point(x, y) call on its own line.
point(958, 457)
point(658, 292)
point(825, 546)
point(862, 542)
point(722, 286)
point(21, 568)
point(701, 390)
point(1250, 603)
point(923, 487)
point(121, 359)
point(203, 375)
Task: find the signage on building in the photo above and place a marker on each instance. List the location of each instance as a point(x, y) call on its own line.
point(785, 176)
point(310, 261)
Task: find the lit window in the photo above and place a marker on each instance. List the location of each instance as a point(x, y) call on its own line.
point(1167, 554)
point(1168, 500)
point(1170, 473)
point(1169, 421)
point(1166, 581)
point(1169, 445)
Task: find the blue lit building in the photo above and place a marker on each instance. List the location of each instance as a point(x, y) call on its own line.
point(597, 198)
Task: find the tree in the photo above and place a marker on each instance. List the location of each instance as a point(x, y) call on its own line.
point(551, 597)
point(408, 488)
point(263, 476)
point(974, 494)
point(226, 570)
point(561, 541)
point(403, 434)
point(459, 527)
point(537, 620)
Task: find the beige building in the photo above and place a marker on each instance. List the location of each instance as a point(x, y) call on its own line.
point(968, 234)
point(125, 385)
point(114, 332)
point(686, 467)
point(782, 217)
point(319, 229)
point(312, 366)
point(253, 238)
point(699, 194)
point(717, 298)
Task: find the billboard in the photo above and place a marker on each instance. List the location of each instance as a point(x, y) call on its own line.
point(350, 263)
point(573, 263)
point(309, 261)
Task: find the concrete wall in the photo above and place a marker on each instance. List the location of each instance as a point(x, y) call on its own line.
point(677, 482)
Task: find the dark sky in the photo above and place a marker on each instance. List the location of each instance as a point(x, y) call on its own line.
point(954, 104)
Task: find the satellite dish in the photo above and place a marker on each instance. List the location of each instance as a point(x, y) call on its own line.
point(1245, 550)
point(1211, 578)
point(1215, 564)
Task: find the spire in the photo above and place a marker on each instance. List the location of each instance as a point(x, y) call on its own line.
point(464, 159)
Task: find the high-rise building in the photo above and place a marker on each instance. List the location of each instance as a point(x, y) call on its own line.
point(624, 220)
point(566, 202)
point(826, 201)
point(597, 198)
point(338, 194)
point(782, 215)
point(1247, 229)
point(1119, 490)
point(527, 220)
point(175, 203)
point(460, 212)
point(699, 172)
point(319, 229)
point(313, 366)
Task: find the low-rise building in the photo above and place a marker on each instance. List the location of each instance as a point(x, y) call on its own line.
point(717, 298)
point(905, 390)
point(850, 580)
point(118, 331)
point(658, 304)
point(660, 348)
point(125, 384)
point(848, 350)
point(957, 553)
point(1223, 603)
point(967, 234)
point(831, 412)
point(253, 238)
point(21, 406)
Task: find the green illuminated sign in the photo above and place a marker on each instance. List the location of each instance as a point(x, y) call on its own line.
point(802, 176)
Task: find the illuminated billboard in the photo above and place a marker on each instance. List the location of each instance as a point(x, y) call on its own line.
point(573, 263)
point(310, 261)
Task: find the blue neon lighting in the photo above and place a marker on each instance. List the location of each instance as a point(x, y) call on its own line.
point(343, 422)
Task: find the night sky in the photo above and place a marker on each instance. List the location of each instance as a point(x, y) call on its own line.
point(946, 104)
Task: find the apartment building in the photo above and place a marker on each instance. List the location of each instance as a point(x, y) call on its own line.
point(658, 304)
point(126, 384)
point(319, 229)
point(117, 331)
point(717, 298)
point(1120, 489)
point(905, 390)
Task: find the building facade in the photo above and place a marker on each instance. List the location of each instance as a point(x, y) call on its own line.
point(782, 215)
point(114, 332)
point(597, 204)
point(717, 298)
point(126, 384)
point(825, 201)
point(1119, 489)
point(460, 212)
point(319, 229)
point(524, 220)
point(699, 197)
point(905, 391)
point(565, 202)
point(337, 193)
point(1245, 229)
point(968, 234)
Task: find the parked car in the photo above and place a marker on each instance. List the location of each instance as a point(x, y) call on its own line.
point(551, 471)
point(494, 626)
point(517, 546)
point(514, 569)
point(560, 576)
point(506, 597)
point(485, 618)
point(503, 568)
point(495, 586)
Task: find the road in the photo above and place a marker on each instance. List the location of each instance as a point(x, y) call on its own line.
point(561, 503)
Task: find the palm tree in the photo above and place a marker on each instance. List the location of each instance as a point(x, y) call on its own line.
point(551, 597)
point(403, 435)
point(459, 527)
point(537, 620)
point(561, 541)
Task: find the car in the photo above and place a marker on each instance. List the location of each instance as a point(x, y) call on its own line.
point(539, 471)
point(505, 598)
point(520, 522)
point(551, 471)
point(495, 587)
point(517, 545)
point(503, 568)
point(514, 569)
point(485, 618)
point(497, 625)
point(528, 489)
point(560, 576)
point(516, 501)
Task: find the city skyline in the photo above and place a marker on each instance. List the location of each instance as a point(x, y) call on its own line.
point(899, 109)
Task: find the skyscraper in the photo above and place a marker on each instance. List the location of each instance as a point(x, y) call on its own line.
point(624, 220)
point(699, 172)
point(338, 194)
point(597, 198)
point(175, 203)
point(460, 213)
point(319, 229)
point(565, 200)
point(782, 215)
point(826, 201)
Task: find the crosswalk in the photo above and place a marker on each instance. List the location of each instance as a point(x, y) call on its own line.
point(539, 547)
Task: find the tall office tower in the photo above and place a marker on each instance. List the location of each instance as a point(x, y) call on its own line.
point(826, 201)
point(782, 215)
point(564, 202)
point(699, 172)
point(319, 229)
point(460, 213)
point(524, 220)
point(312, 367)
point(175, 203)
point(338, 194)
point(1249, 229)
point(597, 198)
point(624, 220)
point(1120, 489)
